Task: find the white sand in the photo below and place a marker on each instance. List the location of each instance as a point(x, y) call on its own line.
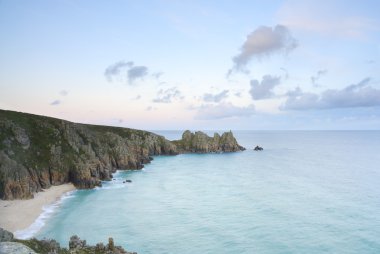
point(20, 214)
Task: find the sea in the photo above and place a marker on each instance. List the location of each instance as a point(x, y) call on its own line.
point(306, 192)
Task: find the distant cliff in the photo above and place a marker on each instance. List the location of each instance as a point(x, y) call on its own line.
point(199, 142)
point(37, 152)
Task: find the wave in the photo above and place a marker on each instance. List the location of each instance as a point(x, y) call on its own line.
point(47, 212)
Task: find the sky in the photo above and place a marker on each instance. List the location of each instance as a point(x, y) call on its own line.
point(174, 65)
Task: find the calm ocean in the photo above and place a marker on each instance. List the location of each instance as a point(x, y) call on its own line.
point(307, 192)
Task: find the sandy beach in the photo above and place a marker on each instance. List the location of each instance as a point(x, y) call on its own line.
point(20, 214)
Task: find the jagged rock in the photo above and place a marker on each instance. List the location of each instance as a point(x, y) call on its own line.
point(258, 148)
point(128, 181)
point(76, 246)
point(111, 245)
point(76, 243)
point(5, 236)
point(199, 142)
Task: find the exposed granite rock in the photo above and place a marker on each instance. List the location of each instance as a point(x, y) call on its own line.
point(258, 148)
point(37, 152)
point(5, 236)
point(200, 142)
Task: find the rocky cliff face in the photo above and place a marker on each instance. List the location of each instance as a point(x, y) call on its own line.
point(199, 142)
point(37, 152)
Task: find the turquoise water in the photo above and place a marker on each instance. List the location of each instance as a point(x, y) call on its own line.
point(307, 192)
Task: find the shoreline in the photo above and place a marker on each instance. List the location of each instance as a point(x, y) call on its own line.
point(22, 216)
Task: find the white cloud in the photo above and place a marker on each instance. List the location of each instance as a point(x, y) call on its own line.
point(264, 89)
point(125, 70)
point(215, 97)
point(356, 95)
point(264, 41)
point(168, 95)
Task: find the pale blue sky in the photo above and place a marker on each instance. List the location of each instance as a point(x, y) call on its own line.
point(194, 64)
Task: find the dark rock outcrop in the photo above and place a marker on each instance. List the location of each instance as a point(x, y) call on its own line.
point(258, 148)
point(200, 142)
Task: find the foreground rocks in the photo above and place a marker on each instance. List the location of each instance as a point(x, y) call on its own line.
point(47, 246)
point(37, 152)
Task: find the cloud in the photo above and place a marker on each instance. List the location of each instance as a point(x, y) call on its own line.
point(264, 89)
point(223, 110)
point(215, 97)
point(315, 79)
point(264, 41)
point(356, 95)
point(168, 95)
point(114, 70)
point(157, 75)
point(55, 103)
point(125, 70)
point(150, 108)
point(138, 97)
point(286, 73)
point(64, 93)
point(136, 72)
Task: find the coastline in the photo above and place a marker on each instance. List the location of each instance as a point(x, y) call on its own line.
point(18, 216)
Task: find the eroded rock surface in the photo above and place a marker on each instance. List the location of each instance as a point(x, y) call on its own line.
point(200, 142)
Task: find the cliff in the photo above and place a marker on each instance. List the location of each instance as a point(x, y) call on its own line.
point(199, 142)
point(37, 152)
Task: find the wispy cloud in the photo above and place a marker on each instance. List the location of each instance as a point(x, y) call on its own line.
point(223, 110)
point(136, 72)
point(264, 41)
point(63, 93)
point(168, 95)
point(352, 96)
point(157, 75)
point(315, 79)
point(125, 70)
point(55, 103)
point(264, 89)
point(208, 97)
point(115, 70)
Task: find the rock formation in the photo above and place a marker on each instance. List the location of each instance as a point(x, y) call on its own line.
point(48, 246)
point(37, 152)
point(199, 142)
point(258, 148)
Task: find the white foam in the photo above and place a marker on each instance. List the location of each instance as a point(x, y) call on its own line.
point(47, 212)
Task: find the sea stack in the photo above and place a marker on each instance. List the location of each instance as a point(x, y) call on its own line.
point(200, 142)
